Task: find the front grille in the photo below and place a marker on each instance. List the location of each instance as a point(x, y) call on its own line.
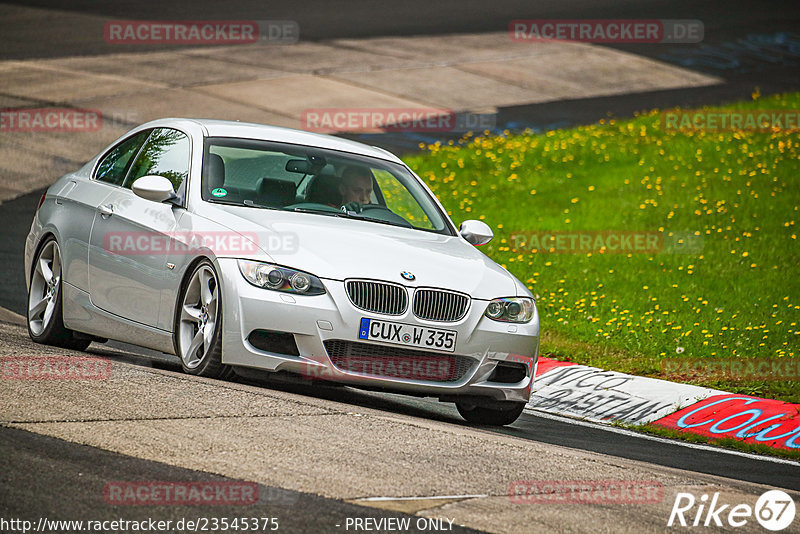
point(389, 362)
point(438, 305)
point(377, 297)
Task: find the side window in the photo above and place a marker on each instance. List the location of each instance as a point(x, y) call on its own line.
point(114, 165)
point(400, 200)
point(166, 153)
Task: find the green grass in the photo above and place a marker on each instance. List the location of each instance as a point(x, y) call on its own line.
point(735, 193)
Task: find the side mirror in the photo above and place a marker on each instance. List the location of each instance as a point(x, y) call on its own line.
point(476, 232)
point(155, 188)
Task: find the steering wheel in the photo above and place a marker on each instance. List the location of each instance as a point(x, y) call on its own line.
point(365, 207)
point(359, 207)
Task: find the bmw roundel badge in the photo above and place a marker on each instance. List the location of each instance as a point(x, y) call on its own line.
point(407, 275)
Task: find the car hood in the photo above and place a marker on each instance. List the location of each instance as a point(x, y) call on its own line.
point(339, 248)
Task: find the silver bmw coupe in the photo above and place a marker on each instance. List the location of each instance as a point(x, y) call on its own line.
point(235, 245)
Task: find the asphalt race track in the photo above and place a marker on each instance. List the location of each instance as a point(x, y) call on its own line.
point(299, 444)
point(58, 463)
point(62, 470)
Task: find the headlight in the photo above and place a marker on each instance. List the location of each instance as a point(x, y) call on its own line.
point(510, 310)
point(277, 278)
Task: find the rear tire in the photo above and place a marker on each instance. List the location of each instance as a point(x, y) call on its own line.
point(481, 415)
point(198, 325)
point(45, 301)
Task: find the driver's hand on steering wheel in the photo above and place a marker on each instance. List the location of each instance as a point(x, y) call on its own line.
point(352, 206)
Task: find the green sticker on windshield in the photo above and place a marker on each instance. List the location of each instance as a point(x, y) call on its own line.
point(219, 192)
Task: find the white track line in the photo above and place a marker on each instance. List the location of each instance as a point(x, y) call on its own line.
point(686, 444)
point(375, 499)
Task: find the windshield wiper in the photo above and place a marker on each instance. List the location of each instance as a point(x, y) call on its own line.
point(317, 211)
point(243, 204)
point(346, 215)
point(251, 204)
point(359, 217)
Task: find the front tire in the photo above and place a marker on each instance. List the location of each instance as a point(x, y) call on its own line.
point(198, 325)
point(482, 415)
point(45, 302)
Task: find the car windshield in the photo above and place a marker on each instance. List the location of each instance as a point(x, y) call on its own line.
point(261, 174)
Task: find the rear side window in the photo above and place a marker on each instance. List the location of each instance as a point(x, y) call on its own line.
point(166, 153)
point(115, 163)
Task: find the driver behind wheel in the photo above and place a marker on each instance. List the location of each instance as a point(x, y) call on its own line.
point(356, 185)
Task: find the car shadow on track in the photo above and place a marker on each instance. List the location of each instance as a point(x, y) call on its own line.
point(425, 408)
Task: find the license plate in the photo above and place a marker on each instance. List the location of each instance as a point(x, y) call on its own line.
point(406, 334)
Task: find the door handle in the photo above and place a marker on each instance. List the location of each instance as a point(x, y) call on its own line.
point(106, 211)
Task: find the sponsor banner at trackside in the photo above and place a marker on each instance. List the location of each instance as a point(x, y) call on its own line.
point(604, 396)
point(750, 419)
point(565, 388)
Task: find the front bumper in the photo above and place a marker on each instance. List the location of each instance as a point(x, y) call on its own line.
point(316, 319)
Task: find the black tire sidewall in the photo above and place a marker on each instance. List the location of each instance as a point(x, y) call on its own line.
point(482, 415)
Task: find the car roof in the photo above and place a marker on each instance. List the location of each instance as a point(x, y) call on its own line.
point(248, 130)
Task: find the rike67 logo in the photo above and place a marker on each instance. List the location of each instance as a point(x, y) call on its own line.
point(774, 510)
